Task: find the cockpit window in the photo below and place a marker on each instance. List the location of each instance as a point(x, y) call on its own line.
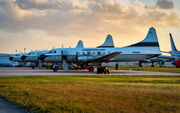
point(30, 53)
point(17, 55)
point(52, 51)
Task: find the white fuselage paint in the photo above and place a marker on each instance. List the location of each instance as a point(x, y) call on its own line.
point(34, 56)
point(127, 53)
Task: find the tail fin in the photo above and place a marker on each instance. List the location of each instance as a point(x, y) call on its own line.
point(108, 42)
point(80, 44)
point(151, 40)
point(172, 43)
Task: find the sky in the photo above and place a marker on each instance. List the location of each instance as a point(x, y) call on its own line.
point(47, 24)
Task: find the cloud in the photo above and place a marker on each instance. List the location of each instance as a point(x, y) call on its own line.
point(83, 19)
point(36, 4)
point(163, 4)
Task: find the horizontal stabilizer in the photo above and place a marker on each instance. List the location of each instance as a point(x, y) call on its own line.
point(108, 43)
point(165, 52)
point(106, 57)
point(80, 44)
point(168, 57)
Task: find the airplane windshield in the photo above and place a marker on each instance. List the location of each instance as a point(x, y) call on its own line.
point(30, 53)
point(52, 51)
point(17, 55)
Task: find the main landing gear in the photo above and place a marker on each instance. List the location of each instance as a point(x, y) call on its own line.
point(91, 69)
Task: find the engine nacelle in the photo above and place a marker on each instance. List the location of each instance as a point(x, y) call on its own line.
point(176, 62)
point(84, 58)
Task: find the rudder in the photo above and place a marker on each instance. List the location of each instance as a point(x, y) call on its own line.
point(172, 43)
point(80, 44)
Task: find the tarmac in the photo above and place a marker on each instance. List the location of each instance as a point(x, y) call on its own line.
point(27, 71)
point(6, 107)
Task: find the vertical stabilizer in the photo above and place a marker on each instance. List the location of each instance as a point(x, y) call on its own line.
point(151, 40)
point(172, 43)
point(80, 44)
point(108, 42)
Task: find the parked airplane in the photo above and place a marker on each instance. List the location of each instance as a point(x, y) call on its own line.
point(147, 48)
point(33, 56)
point(175, 54)
point(152, 60)
point(17, 58)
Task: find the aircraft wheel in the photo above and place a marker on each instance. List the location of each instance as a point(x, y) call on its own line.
point(33, 67)
point(55, 70)
point(152, 65)
point(91, 69)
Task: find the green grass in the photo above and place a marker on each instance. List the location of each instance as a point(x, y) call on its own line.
point(147, 68)
point(93, 93)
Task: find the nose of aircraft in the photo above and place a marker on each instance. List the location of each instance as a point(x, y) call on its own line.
point(42, 57)
point(10, 58)
point(23, 57)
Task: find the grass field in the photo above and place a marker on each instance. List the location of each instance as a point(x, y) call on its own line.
point(96, 93)
point(148, 68)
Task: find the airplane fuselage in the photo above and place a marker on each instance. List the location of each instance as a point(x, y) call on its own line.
point(127, 53)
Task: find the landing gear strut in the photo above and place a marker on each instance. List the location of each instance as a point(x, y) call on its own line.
point(140, 64)
point(152, 64)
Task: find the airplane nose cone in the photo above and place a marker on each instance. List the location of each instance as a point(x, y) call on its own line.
point(10, 58)
point(42, 57)
point(23, 57)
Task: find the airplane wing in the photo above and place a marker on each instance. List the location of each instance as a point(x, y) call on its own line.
point(106, 57)
point(168, 57)
point(165, 52)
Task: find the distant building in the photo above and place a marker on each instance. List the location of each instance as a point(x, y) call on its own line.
point(4, 59)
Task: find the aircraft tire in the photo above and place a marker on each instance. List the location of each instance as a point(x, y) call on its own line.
point(55, 70)
point(152, 65)
point(91, 69)
point(33, 67)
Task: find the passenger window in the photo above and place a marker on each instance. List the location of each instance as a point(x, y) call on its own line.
point(109, 52)
point(104, 53)
point(88, 53)
point(54, 51)
point(83, 53)
point(93, 53)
